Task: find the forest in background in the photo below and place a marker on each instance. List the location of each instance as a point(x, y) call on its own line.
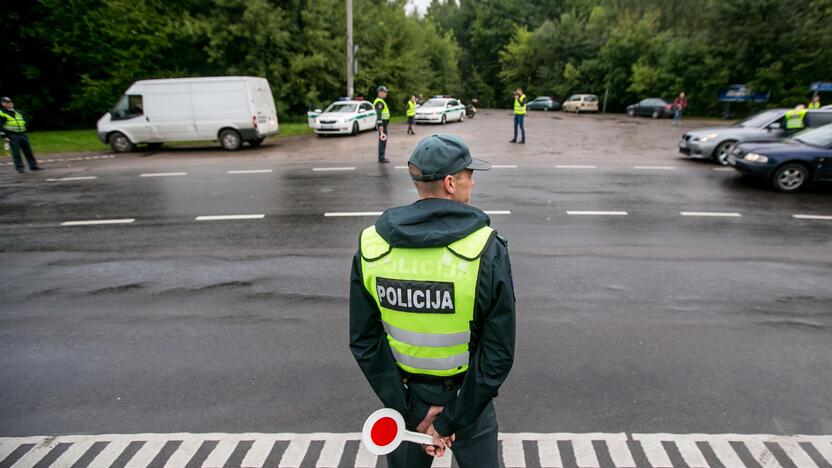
point(66, 61)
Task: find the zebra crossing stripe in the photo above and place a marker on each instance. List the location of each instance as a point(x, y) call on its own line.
point(329, 450)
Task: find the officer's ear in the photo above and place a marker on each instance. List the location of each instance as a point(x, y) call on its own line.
point(449, 184)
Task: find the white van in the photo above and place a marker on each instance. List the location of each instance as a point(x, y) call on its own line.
point(231, 109)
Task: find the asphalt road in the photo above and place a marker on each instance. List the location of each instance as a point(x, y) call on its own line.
point(649, 321)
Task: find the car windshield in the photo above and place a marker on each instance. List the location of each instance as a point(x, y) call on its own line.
point(434, 103)
point(760, 120)
point(817, 137)
point(341, 108)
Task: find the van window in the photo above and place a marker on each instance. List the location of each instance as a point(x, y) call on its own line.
point(127, 107)
point(590, 98)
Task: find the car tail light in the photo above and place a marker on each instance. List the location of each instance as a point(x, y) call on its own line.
point(254, 121)
point(667, 106)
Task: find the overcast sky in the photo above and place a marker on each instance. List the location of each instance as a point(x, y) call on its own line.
point(421, 5)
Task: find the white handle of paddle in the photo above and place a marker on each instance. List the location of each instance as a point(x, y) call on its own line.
point(417, 437)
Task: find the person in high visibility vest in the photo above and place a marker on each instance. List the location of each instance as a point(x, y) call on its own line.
point(796, 119)
point(519, 115)
point(14, 133)
point(382, 122)
point(815, 104)
point(432, 310)
point(411, 114)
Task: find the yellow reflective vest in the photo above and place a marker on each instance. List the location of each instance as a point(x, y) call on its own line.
point(520, 105)
point(813, 105)
point(15, 123)
point(385, 111)
point(426, 297)
point(794, 119)
point(411, 108)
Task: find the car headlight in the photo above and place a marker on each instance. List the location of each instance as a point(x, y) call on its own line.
point(708, 137)
point(754, 157)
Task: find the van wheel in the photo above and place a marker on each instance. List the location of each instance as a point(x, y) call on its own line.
point(257, 141)
point(230, 140)
point(120, 143)
point(355, 129)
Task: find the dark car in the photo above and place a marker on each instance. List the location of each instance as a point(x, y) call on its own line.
point(544, 103)
point(790, 164)
point(651, 107)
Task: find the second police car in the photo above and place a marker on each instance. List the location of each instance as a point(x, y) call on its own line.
point(440, 109)
point(343, 117)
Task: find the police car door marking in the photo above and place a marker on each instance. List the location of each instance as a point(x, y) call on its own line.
point(423, 297)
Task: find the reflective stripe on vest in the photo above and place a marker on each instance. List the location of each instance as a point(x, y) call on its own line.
point(14, 123)
point(518, 108)
point(426, 297)
point(411, 108)
point(385, 111)
point(813, 105)
point(794, 119)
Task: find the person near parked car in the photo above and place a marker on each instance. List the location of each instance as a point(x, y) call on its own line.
point(382, 122)
point(679, 105)
point(796, 119)
point(519, 115)
point(815, 104)
point(14, 133)
point(411, 114)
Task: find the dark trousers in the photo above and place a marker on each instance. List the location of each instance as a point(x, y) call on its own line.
point(20, 141)
point(382, 145)
point(475, 446)
point(519, 121)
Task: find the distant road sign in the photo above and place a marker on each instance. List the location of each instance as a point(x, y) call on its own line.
point(821, 87)
point(740, 93)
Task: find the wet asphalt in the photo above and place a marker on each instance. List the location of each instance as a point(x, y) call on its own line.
point(645, 322)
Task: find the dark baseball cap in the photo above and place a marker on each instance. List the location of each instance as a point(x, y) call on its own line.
point(381, 88)
point(442, 155)
point(5, 99)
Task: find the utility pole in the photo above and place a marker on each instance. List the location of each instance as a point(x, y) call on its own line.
point(350, 59)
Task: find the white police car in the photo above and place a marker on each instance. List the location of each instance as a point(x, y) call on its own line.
point(343, 117)
point(440, 109)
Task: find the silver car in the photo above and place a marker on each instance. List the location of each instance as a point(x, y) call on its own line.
point(717, 142)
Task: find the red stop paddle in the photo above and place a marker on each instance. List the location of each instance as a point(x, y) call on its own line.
point(384, 431)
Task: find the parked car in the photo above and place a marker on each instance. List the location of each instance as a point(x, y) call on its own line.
point(578, 103)
point(788, 165)
point(544, 103)
point(231, 109)
point(718, 142)
point(651, 107)
point(440, 109)
point(343, 117)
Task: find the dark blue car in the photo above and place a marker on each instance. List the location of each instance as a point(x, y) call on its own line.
point(788, 165)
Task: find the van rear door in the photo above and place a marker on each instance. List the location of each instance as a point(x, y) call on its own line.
point(168, 109)
point(262, 106)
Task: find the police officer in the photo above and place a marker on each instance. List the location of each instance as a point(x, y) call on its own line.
point(382, 122)
point(432, 310)
point(411, 114)
point(519, 115)
point(14, 130)
point(795, 119)
point(815, 104)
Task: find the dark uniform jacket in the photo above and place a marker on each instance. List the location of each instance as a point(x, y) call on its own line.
point(432, 223)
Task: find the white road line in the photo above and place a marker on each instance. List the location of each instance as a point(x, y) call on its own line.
point(257, 454)
point(352, 213)
point(67, 179)
point(163, 174)
point(400, 167)
point(228, 217)
point(504, 166)
point(654, 168)
point(726, 453)
point(549, 454)
point(365, 459)
point(295, 453)
point(806, 216)
point(221, 452)
point(94, 222)
point(585, 453)
point(186, 450)
point(796, 453)
point(575, 166)
point(724, 169)
point(73, 453)
point(596, 213)
point(251, 171)
point(323, 169)
point(513, 453)
point(716, 214)
point(146, 454)
point(331, 453)
point(498, 212)
point(111, 452)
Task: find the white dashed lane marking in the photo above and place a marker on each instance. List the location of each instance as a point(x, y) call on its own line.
point(351, 213)
point(596, 213)
point(229, 217)
point(504, 166)
point(498, 212)
point(715, 214)
point(575, 166)
point(68, 179)
point(251, 171)
point(163, 174)
point(654, 168)
point(324, 169)
point(94, 222)
point(332, 450)
point(810, 216)
point(724, 169)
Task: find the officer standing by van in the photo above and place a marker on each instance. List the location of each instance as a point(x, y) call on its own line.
point(432, 310)
point(14, 132)
point(519, 115)
point(815, 103)
point(411, 114)
point(382, 122)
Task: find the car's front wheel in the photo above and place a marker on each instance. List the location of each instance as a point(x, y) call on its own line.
point(790, 177)
point(723, 150)
point(631, 112)
point(354, 129)
point(656, 114)
point(444, 119)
